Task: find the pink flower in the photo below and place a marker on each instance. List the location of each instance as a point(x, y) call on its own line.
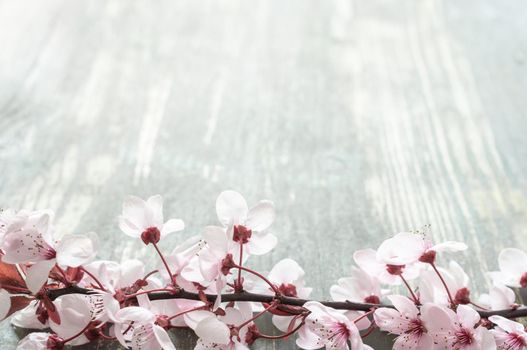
point(368, 261)
point(35, 341)
point(214, 331)
point(432, 289)
point(407, 248)
point(31, 241)
point(249, 225)
point(509, 335)
point(144, 219)
point(331, 329)
point(457, 330)
point(513, 268)
point(288, 276)
point(499, 298)
point(137, 327)
point(360, 287)
point(406, 322)
point(76, 311)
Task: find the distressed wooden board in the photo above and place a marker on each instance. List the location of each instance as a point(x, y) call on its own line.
point(357, 118)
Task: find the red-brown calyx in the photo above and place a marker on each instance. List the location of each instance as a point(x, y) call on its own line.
point(151, 235)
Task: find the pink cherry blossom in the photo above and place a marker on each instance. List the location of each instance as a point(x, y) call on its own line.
point(26, 318)
point(513, 268)
point(360, 287)
point(499, 298)
point(76, 311)
point(406, 322)
point(368, 261)
point(288, 277)
point(31, 241)
point(407, 248)
point(35, 341)
point(432, 289)
point(509, 335)
point(331, 329)
point(214, 331)
point(249, 225)
point(137, 327)
point(144, 219)
point(458, 330)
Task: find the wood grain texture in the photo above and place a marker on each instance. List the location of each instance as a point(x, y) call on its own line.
point(359, 119)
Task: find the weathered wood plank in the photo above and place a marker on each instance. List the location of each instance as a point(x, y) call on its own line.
point(358, 118)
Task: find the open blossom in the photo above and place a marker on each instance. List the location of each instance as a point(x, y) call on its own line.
point(406, 322)
point(407, 248)
point(509, 335)
point(458, 330)
point(144, 219)
point(249, 225)
point(31, 241)
point(360, 287)
point(499, 298)
point(137, 327)
point(432, 289)
point(330, 328)
point(76, 312)
point(214, 331)
point(288, 277)
point(368, 261)
point(513, 268)
point(36, 341)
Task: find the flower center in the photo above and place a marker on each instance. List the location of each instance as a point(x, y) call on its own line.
point(428, 257)
point(227, 264)
point(462, 296)
point(287, 289)
point(151, 235)
point(241, 234)
point(464, 337)
point(515, 341)
point(523, 280)
point(416, 328)
point(55, 342)
point(395, 269)
point(372, 299)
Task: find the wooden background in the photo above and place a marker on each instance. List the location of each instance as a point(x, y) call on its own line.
point(359, 119)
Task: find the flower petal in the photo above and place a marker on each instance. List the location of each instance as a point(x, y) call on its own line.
point(286, 271)
point(38, 274)
point(404, 305)
point(162, 338)
point(468, 317)
point(155, 210)
point(5, 303)
point(76, 250)
point(172, 225)
point(261, 216)
point(213, 330)
point(507, 325)
point(231, 207)
point(513, 261)
point(261, 243)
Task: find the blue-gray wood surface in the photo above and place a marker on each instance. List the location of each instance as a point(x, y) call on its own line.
point(359, 119)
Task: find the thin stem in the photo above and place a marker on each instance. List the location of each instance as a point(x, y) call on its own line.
point(239, 284)
point(282, 336)
point(273, 287)
point(78, 334)
point(186, 312)
point(61, 271)
point(366, 314)
point(414, 297)
point(444, 284)
point(150, 274)
point(165, 263)
point(369, 331)
point(270, 306)
point(92, 276)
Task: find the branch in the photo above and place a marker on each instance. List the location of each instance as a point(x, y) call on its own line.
point(262, 298)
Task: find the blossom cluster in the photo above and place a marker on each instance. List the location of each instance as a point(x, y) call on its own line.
point(205, 283)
